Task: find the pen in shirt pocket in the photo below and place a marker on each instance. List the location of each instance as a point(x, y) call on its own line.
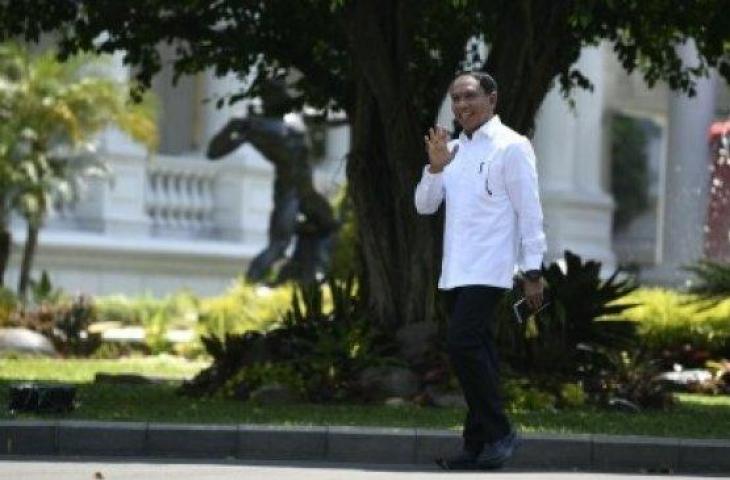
point(486, 180)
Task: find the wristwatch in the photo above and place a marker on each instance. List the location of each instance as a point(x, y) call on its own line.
point(533, 275)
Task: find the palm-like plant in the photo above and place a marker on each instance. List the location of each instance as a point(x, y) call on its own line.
point(713, 278)
point(50, 112)
point(586, 297)
point(581, 317)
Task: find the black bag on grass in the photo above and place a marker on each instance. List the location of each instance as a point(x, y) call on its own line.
point(30, 397)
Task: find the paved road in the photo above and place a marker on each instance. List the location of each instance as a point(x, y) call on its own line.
point(166, 470)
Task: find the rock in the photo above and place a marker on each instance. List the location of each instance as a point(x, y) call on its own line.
point(389, 381)
point(439, 374)
point(396, 402)
point(124, 335)
point(446, 399)
point(449, 400)
point(415, 340)
point(101, 327)
point(623, 405)
point(22, 340)
point(274, 394)
point(686, 377)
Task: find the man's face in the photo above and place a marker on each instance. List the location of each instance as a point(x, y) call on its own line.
point(471, 106)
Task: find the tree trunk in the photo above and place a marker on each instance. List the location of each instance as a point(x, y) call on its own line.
point(26, 265)
point(531, 60)
point(6, 239)
point(400, 248)
point(5, 243)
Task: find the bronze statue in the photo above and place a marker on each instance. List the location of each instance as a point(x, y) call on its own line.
point(298, 208)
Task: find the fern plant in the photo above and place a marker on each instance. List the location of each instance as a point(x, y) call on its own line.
point(327, 347)
point(580, 300)
point(587, 298)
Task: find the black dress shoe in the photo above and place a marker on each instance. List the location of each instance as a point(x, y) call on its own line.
point(466, 460)
point(496, 454)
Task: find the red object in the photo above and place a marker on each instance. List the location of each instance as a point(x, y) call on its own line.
point(718, 129)
point(717, 229)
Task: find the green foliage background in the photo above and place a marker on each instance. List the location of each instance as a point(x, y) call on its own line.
point(629, 172)
point(669, 319)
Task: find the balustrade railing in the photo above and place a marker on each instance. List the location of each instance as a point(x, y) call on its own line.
point(179, 197)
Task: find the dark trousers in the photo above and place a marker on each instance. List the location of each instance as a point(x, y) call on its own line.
point(471, 348)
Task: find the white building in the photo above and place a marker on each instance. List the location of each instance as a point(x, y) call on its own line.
point(177, 220)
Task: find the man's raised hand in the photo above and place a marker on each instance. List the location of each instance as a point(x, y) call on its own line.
point(438, 150)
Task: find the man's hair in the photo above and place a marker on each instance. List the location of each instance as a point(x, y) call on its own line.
point(486, 81)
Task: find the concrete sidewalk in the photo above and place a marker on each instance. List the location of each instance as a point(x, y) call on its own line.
point(353, 444)
point(68, 468)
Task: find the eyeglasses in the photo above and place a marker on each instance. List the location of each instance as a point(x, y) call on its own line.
point(467, 96)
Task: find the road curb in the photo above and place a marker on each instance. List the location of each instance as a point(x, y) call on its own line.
point(353, 444)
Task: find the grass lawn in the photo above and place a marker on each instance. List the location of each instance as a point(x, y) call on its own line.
point(696, 415)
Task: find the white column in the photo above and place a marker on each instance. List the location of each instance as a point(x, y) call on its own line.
point(113, 140)
point(571, 151)
point(177, 104)
point(590, 147)
point(686, 176)
point(554, 141)
point(212, 119)
point(243, 198)
point(116, 206)
point(243, 188)
point(329, 174)
point(123, 200)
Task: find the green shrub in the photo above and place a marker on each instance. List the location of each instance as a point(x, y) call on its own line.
point(65, 324)
point(630, 377)
point(334, 344)
point(44, 292)
point(668, 319)
point(127, 311)
point(244, 307)
point(8, 304)
point(156, 315)
point(520, 395)
point(587, 298)
point(345, 259)
point(572, 395)
point(117, 350)
point(156, 324)
point(249, 378)
point(324, 336)
point(579, 302)
point(630, 175)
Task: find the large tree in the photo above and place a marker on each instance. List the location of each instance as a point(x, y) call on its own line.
point(388, 63)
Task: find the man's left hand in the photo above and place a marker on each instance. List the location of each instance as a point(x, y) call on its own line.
point(534, 292)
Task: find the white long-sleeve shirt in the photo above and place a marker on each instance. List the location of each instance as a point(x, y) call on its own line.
point(493, 213)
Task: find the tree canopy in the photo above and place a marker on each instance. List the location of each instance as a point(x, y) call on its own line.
point(388, 63)
point(319, 37)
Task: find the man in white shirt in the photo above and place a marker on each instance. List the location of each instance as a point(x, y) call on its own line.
point(488, 182)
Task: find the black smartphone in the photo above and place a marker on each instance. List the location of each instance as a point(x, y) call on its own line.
point(523, 311)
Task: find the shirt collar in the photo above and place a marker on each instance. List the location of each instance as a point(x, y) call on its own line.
point(488, 129)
